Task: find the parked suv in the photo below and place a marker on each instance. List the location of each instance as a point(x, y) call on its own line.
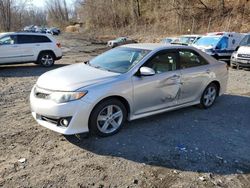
point(241, 57)
point(29, 47)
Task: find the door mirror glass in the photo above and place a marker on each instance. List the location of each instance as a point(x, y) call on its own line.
point(146, 71)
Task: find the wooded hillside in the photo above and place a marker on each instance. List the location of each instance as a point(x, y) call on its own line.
point(128, 17)
point(166, 16)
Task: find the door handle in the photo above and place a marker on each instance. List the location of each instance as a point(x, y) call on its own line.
point(37, 44)
point(208, 71)
point(14, 46)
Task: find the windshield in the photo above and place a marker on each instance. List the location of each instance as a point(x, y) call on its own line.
point(245, 41)
point(119, 60)
point(208, 41)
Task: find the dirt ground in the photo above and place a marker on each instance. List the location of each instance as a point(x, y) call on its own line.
point(184, 148)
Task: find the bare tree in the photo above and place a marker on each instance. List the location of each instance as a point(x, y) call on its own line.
point(58, 11)
point(5, 13)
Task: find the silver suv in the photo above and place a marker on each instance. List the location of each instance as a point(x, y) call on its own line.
point(29, 47)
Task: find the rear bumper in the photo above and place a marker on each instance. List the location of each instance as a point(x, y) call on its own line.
point(58, 58)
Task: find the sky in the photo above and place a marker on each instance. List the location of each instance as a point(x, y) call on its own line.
point(41, 3)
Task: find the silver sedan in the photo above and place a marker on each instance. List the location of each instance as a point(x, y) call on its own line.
point(126, 83)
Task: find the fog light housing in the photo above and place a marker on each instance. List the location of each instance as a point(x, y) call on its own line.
point(64, 122)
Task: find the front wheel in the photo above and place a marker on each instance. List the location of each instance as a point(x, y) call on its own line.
point(209, 96)
point(46, 59)
point(107, 118)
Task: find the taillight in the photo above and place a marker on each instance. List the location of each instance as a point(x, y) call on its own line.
point(58, 45)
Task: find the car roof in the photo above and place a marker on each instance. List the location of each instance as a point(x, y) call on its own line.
point(7, 33)
point(155, 46)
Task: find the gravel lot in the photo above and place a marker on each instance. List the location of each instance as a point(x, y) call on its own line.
point(184, 148)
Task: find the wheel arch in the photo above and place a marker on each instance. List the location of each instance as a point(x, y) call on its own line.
point(120, 98)
point(217, 83)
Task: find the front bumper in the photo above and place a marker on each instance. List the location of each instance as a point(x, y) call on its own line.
point(240, 63)
point(78, 111)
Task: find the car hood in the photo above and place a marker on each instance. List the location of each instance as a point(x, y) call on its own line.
point(244, 50)
point(73, 77)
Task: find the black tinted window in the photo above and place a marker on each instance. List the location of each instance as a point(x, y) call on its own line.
point(24, 39)
point(163, 62)
point(27, 39)
point(41, 39)
point(190, 59)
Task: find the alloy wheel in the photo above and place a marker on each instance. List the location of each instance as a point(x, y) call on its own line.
point(47, 60)
point(209, 96)
point(109, 119)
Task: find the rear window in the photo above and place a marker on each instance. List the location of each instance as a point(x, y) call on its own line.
point(28, 39)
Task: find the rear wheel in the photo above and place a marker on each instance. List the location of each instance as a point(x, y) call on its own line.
point(107, 118)
point(209, 96)
point(46, 59)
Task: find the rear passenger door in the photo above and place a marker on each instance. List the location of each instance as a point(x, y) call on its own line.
point(41, 42)
point(27, 47)
point(195, 74)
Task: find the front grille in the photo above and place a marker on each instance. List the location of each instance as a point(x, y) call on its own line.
point(51, 120)
point(244, 56)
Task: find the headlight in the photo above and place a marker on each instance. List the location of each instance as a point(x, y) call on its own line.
point(234, 55)
point(62, 97)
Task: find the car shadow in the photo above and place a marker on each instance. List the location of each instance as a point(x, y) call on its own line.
point(27, 70)
point(215, 140)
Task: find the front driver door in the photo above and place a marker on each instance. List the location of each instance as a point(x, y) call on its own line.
point(9, 50)
point(161, 90)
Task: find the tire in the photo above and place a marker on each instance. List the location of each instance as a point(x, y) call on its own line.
point(234, 67)
point(46, 59)
point(107, 118)
point(209, 96)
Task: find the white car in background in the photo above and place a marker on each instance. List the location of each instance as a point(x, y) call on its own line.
point(126, 83)
point(39, 48)
point(241, 57)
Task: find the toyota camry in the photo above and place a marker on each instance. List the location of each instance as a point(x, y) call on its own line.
point(126, 83)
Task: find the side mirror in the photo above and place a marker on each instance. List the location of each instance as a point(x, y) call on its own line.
point(146, 71)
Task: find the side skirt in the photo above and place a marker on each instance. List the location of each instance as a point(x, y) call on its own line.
point(133, 117)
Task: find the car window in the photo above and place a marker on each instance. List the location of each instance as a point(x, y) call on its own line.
point(190, 59)
point(24, 39)
point(40, 39)
point(245, 41)
point(223, 44)
point(8, 40)
point(163, 62)
point(27, 39)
